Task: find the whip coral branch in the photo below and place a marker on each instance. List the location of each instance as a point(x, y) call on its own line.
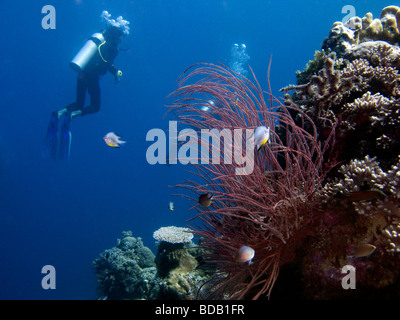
point(273, 208)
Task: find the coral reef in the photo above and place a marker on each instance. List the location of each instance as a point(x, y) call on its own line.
point(355, 90)
point(173, 234)
point(131, 271)
point(127, 271)
point(360, 205)
point(177, 264)
point(357, 98)
point(326, 188)
point(352, 88)
point(324, 192)
point(343, 38)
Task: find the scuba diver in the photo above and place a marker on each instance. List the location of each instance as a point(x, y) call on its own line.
point(94, 59)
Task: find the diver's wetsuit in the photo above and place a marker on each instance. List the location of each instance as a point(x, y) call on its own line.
point(88, 79)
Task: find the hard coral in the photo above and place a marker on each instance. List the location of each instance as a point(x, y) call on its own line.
point(131, 271)
point(343, 37)
point(357, 95)
point(361, 204)
point(127, 271)
point(360, 199)
point(173, 234)
point(293, 210)
point(390, 18)
point(176, 263)
point(177, 270)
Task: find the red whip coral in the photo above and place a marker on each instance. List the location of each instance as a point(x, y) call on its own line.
point(271, 210)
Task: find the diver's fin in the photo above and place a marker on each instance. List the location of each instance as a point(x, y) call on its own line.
point(65, 137)
point(50, 143)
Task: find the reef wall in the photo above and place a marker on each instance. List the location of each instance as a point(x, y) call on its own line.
point(352, 87)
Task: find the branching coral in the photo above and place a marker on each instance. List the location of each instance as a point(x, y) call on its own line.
point(359, 97)
point(272, 210)
point(360, 199)
point(176, 264)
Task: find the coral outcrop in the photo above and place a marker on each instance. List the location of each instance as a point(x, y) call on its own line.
point(173, 234)
point(360, 98)
point(131, 271)
point(360, 207)
point(343, 37)
point(352, 85)
point(352, 88)
point(177, 264)
point(127, 271)
point(324, 193)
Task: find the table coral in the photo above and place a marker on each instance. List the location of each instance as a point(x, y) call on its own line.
point(173, 234)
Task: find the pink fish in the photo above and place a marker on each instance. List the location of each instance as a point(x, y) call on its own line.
point(245, 254)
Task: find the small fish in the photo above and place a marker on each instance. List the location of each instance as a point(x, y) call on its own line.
point(363, 250)
point(207, 107)
point(205, 199)
point(113, 140)
point(245, 254)
point(261, 136)
point(171, 206)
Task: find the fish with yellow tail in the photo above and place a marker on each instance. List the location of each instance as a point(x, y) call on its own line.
point(261, 136)
point(113, 140)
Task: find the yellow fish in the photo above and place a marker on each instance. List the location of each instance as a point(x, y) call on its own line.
point(113, 140)
point(171, 206)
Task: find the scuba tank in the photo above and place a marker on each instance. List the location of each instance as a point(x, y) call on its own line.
point(82, 58)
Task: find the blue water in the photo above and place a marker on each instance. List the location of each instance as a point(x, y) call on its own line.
point(65, 213)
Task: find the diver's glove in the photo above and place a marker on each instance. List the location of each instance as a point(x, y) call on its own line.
point(118, 76)
point(76, 113)
point(62, 112)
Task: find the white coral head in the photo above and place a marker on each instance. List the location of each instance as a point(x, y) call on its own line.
point(173, 234)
